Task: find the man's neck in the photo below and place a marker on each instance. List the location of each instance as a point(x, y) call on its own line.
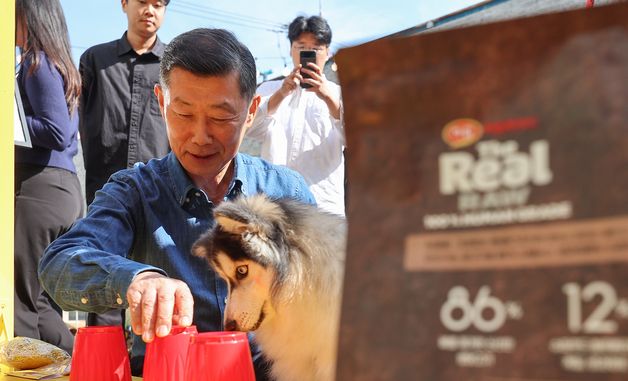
point(141, 44)
point(216, 188)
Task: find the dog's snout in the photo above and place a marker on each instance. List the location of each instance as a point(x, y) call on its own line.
point(231, 325)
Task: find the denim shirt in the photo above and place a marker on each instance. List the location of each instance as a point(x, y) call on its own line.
point(146, 219)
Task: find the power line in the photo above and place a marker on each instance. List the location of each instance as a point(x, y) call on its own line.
point(208, 9)
point(231, 18)
point(283, 58)
point(224, 21)
point(227, 17)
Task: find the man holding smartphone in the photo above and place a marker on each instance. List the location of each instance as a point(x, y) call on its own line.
point(299, 122)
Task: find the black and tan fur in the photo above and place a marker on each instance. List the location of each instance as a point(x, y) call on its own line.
point(284, 263)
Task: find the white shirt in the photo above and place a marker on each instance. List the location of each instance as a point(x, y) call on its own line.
point(303, 136)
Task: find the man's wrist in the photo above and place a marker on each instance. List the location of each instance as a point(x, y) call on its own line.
point(281, 94)
point(147, 274)
point(333, 105)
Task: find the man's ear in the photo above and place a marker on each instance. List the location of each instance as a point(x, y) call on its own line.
point(253, 110)
point(124, 4)
point(159, 93)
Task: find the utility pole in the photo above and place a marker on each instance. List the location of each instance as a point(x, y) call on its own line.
point(320, 8)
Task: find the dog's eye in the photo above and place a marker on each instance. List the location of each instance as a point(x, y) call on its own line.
point(242, 271)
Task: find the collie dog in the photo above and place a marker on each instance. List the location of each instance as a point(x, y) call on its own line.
point(284, 264)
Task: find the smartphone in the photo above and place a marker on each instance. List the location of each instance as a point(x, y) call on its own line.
point(306, 56)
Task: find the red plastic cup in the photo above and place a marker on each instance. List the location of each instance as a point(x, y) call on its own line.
point(100, 354)
point(219, 356)
point(165, 356)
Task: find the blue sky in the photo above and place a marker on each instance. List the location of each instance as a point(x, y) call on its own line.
point(257, 23)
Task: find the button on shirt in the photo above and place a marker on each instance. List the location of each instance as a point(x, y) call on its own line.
point(120, 121)
point(148, 218)
point(303, 136)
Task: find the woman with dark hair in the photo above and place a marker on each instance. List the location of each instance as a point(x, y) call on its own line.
point(47, 190)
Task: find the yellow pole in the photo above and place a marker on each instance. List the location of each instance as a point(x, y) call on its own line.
point(7, 78)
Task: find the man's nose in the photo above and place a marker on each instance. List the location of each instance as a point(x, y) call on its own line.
point(150, 9)
point(202, 135)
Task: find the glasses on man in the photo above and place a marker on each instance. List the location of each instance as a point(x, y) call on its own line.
point(317, 49)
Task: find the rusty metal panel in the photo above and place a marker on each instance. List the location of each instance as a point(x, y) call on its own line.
point(487, 202)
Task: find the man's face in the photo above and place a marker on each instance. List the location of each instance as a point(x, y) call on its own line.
point(144, 16)
point(206, 118)
point(307, 41)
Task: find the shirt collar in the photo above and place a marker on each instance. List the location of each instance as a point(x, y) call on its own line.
point(183, 185)
point(238, 184)
point(124, 46)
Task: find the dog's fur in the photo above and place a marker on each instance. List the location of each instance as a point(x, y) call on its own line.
point(284, 264)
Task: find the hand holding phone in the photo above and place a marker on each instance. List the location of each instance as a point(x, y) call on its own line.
point(306, 56)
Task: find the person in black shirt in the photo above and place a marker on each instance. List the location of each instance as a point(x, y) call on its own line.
point(120, 122)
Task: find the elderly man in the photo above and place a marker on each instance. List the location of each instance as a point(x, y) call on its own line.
point(133, 247)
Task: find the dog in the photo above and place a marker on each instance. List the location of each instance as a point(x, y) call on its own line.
point(283, 262)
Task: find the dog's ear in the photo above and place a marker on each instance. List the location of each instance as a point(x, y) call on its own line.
point(232, 226)
point(202, 246)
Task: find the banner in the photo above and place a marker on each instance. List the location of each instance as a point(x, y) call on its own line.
point(488, 202)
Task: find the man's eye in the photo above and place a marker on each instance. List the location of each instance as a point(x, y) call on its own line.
point(220, 121)
point(242, 272)
point(182, 115)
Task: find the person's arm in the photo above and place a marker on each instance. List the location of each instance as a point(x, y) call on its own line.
point(339, 123)
point(288, 86)
point(333, 104)
point(49, 125)
point(264, 120)
point(86, 70)
point(86, 269)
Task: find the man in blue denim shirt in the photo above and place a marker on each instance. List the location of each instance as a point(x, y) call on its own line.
point(133, 247)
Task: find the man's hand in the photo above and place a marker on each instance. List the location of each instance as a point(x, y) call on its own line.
point(156, 302)
point(320, 88)
point(316, 79)
point(291, 82)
